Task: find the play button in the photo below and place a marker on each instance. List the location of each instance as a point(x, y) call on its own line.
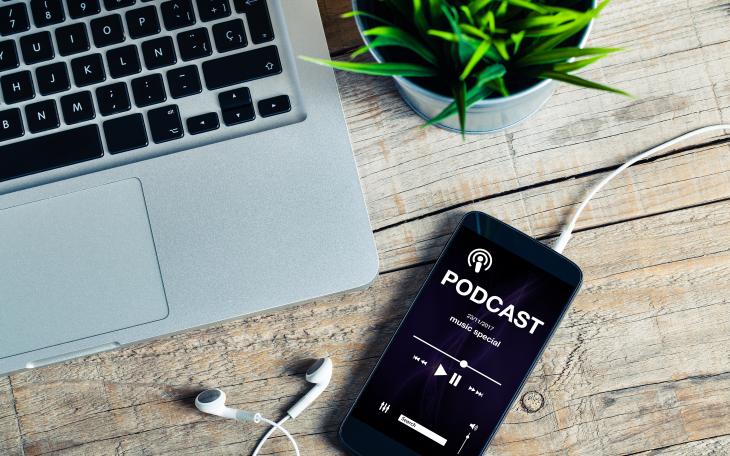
point(440, 371)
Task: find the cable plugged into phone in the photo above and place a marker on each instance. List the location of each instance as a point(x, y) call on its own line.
point(567, 231)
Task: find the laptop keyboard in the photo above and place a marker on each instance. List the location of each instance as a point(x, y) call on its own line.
point(85, 80)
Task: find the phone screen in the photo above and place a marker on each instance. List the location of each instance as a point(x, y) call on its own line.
point(464, 348)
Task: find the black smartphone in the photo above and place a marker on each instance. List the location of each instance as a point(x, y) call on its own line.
point(466, 345)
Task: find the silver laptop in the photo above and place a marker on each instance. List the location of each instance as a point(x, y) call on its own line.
point(166, 165)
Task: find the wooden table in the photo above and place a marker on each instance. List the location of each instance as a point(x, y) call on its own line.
point(640, 365)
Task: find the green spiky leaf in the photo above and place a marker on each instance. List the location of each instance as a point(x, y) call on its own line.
point(575, 80)
point(475, 49)
point(393, 36)
point(377, 69)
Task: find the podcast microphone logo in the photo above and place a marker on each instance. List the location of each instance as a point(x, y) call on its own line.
point(480, 260)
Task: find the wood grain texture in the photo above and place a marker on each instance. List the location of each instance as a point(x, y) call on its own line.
point(9, 432)
point(673, 181)
point(718, 446)
point(342, 35)
point(641, 363)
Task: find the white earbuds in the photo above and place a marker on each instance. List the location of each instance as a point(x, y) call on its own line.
point(213, 402)
point(318, 373)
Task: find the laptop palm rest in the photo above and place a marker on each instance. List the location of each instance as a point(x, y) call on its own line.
point(76, 266)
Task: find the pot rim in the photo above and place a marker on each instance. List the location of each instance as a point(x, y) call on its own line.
point(479, 104)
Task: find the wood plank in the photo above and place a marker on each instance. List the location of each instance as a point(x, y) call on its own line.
point(10, 443)
point(716, 446)
point(673, 182)
point(679, 79)
point(342, 34)
point(640, 362)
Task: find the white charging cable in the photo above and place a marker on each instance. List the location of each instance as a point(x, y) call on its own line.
point(275, 425)
point(567, 231)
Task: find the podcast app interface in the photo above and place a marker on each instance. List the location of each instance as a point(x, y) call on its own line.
point(463, 349)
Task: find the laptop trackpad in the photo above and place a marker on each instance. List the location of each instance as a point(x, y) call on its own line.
point(76, 266)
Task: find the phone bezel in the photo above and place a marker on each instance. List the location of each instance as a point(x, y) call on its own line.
point(363, 440)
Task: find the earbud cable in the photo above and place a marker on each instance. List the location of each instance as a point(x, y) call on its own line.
point(567, 232)
point(275, 426)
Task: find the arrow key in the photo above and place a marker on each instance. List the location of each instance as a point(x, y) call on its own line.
point(273, 106)
point(239, 115)
point(165, 123)
point(234, 98)
point(202, 123)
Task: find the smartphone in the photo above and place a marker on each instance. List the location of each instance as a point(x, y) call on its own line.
point(466, 345)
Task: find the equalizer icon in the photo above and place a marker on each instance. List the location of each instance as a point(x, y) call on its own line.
point(384, 407)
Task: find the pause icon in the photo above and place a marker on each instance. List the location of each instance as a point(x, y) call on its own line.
point(455, 379)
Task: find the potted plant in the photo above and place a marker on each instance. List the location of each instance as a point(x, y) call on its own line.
point(475, 66)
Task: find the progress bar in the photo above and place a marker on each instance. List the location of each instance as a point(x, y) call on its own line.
point(461, 362)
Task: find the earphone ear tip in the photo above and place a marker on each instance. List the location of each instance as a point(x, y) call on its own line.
point(320, 371)
point(209, 398)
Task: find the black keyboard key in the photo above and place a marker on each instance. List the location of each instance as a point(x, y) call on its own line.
point(36, 47)
point(177, 14)
point(125, 133)
point(159, 52)
point(165, 124)
point(72, 39)
point(142, 22)
point(202, 123)
point(194, 44)
point(234, 98)
point(249, 65)
point(13, 19)
point(47, 12)
point(42, 116)
point(123, 61)
point(115, 4)
point(184, 81)
point(274, 105)
point(148, 90)
point(77, 107)
point(239, 115)
point(107, 30)
point(17, 87)
point(257, 16)
point(11, 126)
point(210, 10)
point(229, 35)
point(83, 8)
point(52, 78)
point(113, 99)
point(8, 55)
point(50, 151)
point(88, 70)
